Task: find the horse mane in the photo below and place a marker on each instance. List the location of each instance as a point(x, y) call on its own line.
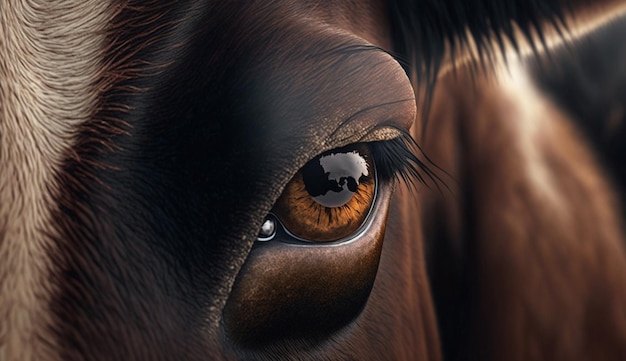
point(426, 31)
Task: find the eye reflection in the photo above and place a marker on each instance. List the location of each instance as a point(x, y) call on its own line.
point(333, 179)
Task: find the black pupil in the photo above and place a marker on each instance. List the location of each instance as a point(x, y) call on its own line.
point(332, 179)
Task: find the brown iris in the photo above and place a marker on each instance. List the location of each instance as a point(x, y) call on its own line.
point(330, 197)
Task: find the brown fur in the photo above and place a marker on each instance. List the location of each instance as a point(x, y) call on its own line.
point(542, 230)
point(87, 273)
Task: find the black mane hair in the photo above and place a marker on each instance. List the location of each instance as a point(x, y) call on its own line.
point(424, 29)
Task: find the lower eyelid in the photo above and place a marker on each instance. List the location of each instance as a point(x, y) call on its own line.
point(330, 280)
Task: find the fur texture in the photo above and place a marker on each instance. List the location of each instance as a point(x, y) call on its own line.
point(50, 60)
point(588, 80)
point(142, 143)
point(528, 260)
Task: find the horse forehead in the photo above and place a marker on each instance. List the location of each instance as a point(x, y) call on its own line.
point(51, 68)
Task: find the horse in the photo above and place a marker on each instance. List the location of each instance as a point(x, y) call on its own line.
point(302, 180)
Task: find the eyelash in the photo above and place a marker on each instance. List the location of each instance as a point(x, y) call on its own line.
point(396, 160)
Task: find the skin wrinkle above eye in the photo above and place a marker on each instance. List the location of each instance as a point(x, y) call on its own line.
point(348, 120)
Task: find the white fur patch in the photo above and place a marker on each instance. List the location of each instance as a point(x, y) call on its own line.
point(49, 64)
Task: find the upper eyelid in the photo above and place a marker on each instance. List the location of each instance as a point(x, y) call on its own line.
point(347, 124)
point(381, 133)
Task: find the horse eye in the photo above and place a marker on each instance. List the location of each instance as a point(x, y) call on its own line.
point(330, 197)
point(306, 283)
